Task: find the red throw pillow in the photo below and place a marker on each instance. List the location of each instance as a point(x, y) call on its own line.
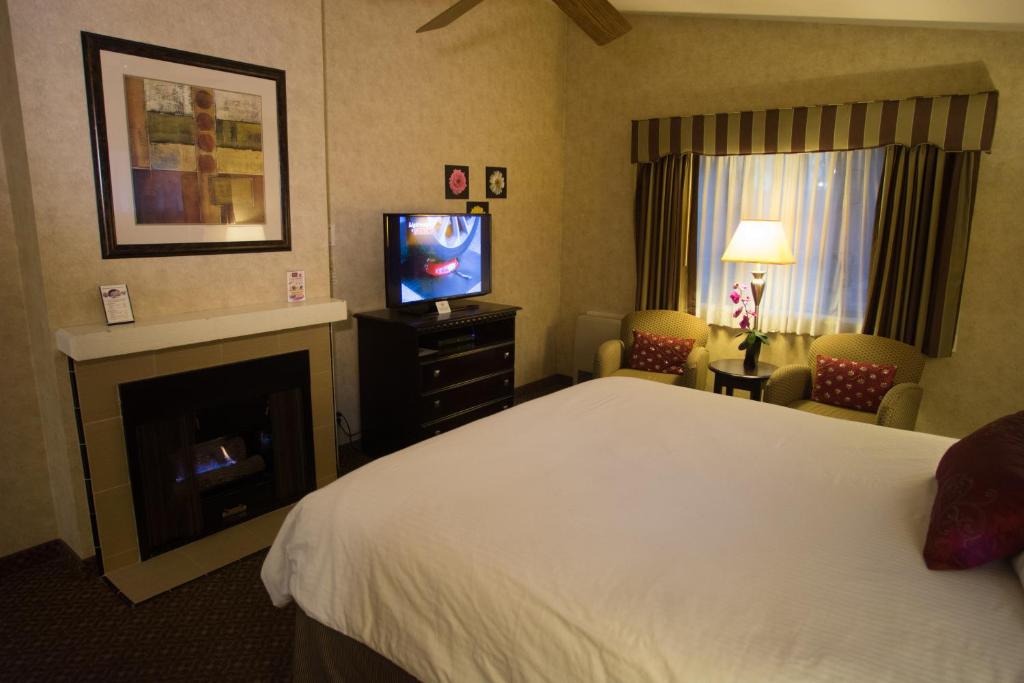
point(658, 353)
point(978, 514)
point(850, 383)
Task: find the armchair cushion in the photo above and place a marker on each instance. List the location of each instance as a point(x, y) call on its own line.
point(899, 407)
point(659, 353)
point(851, 384)
point(788, 384)
point(698, 368)
point(978, 514)
point(609, 357)
point(830, 410)
point(612, 356)
point(663, 377)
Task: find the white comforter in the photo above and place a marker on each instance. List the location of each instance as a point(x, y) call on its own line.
point(625, 530)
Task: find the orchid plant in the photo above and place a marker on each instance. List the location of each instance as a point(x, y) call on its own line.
point(746, 312)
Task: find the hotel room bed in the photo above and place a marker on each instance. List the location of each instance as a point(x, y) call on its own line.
point(624, 530)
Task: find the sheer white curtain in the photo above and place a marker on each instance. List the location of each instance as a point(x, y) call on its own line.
point(826, 202)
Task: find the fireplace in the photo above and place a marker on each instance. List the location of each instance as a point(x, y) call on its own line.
point(228, 413)
point(210, 448)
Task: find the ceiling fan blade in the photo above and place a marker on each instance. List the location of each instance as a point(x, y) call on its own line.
point(598, 19)
point(449, 15)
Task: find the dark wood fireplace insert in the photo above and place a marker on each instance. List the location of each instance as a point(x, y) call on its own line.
point(210, 448)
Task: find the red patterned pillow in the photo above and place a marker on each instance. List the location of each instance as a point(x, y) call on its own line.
point(658, 353)
point(978, 514)
point(850, 383)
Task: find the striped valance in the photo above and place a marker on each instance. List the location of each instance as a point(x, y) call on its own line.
point(952, 123)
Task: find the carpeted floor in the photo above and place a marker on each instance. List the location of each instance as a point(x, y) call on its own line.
point(59, 621)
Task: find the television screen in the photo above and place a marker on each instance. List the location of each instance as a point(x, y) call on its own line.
point(429, 257)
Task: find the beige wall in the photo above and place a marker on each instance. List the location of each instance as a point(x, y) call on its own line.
point(26, 508)
point(284, 34)
point(60, 202)
point(65, 490)
point(673, 65)
point(487, 90)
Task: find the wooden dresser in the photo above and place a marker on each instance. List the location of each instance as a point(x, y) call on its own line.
point(420, 376)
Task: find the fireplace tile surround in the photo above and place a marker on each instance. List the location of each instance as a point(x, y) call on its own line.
point(105, 459)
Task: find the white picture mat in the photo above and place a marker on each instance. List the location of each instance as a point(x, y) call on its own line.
point(114, 67)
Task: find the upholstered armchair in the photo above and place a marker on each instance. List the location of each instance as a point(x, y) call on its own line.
point(790, 385)
point(613, 355)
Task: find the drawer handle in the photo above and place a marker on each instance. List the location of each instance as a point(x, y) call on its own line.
point(437, 373)
point(436, 432)
point(437, 403)
point(504, 406)
point(508, 354)
point(505, 383)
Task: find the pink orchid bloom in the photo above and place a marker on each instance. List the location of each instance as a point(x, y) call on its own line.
point(745, 323)
point(735, 296)
point(737, 312)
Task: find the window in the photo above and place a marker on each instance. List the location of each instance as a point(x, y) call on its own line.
point(826, 202)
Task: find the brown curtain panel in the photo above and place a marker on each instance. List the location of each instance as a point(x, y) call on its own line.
point(665, 209)
point(922, 227)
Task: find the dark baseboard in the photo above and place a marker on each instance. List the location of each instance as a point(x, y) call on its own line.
point(55, 550)
point(351, 457)
point(542, 387)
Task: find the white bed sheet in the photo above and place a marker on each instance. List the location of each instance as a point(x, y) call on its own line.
point(624, 530)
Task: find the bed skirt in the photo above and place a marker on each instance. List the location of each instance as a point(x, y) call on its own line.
point(323, 654)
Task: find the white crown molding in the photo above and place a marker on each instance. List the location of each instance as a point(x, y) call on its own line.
point(976, 14)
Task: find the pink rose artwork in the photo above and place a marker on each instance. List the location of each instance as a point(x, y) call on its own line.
point(457, 180)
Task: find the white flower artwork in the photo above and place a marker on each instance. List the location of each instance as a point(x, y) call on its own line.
point(497, 182)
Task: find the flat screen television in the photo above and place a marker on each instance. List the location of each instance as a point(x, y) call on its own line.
point(430, 257)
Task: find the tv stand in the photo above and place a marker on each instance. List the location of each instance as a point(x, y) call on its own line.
point(421, 375)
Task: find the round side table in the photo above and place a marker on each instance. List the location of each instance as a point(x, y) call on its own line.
point(730, 375)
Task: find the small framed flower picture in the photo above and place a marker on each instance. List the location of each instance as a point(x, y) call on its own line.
point(456, 182)
point(478, 207)
point(497, 182)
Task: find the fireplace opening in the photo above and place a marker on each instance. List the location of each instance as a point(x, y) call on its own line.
point(211, 448)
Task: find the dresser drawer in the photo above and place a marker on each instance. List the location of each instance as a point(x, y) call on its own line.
point(438, 404)
point(442, 426)
point(465, 366)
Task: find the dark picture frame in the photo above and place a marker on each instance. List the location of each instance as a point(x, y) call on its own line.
point(115, 188)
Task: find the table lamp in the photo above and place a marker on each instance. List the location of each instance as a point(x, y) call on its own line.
point(761, 243)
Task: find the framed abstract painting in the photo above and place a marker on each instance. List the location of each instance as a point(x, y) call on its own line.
point(190, 152)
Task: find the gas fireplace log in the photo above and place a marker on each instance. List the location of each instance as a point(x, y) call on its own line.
point(229, 473)
point(218, 452)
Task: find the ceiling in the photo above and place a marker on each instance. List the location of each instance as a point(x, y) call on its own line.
point(978, 14)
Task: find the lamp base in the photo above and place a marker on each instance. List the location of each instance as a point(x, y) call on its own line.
point(757, 286)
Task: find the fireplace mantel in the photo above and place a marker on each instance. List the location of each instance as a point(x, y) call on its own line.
point(90, 342)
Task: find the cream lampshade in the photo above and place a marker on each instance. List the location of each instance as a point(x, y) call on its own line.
point(759, 242)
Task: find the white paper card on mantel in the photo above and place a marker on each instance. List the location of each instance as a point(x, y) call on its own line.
point(296, 286)
point(117, 305)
